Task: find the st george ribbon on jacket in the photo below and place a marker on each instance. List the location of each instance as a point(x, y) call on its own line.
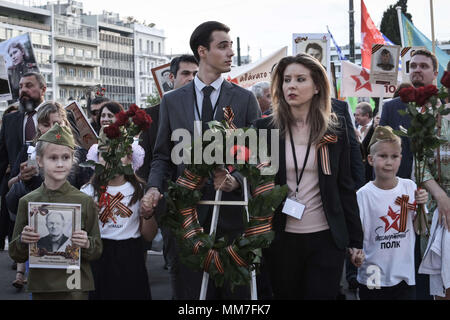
point(207, 108)
point(30, 129)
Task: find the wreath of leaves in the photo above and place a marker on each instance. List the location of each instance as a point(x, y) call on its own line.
point(225, 262)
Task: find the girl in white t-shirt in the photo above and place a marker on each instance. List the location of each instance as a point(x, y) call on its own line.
point(121, 273)
point(388, 272)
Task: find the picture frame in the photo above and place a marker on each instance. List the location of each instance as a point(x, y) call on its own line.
point(315, 44)
point(161, 78)
point(5, 89)
point(55, 223)
point(88, 136)
point(19, 57)
point(384, 64)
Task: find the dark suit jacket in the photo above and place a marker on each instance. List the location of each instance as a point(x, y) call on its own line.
point(356, 162)
point(177, 112)
point(147, 141)
point(11, 141)
point(391, 117)
point(46, 242)
point(337, 190)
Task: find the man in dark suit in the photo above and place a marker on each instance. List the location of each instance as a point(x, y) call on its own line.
point(203, 99)
point(423, 71)
point(19, 127)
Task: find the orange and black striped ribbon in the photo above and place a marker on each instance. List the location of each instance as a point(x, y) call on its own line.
point(259, 229)
point(376, 47)
point(263, 188)
point(239, 261)
point(189, 180)
point(192, 233)
point(190, 215)
point(324, 153)
point(228, 114)
point(197, 246)
point(404, 208)
point(114, 203)
point(213, 254)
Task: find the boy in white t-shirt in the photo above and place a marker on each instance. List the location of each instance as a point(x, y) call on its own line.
point(388, 270)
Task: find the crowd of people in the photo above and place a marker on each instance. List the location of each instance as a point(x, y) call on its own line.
point(345, 178)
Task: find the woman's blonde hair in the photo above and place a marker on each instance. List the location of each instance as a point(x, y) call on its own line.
point(320, 116)
point(46, 110)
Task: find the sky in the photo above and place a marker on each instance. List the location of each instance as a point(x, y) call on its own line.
point(265, 26)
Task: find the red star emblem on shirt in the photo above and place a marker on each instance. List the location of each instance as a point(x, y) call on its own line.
point(362, 81)
point(58, 136)
point(391, 220)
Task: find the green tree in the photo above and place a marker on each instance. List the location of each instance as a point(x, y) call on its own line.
point(389, 23)
point(153, 100)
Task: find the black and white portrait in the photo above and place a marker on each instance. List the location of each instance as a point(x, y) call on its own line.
point(162, 80)
point(19, 58)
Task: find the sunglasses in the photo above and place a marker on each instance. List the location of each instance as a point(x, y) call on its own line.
point(95, 112)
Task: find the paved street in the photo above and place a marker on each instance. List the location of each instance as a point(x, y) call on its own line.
point(159, 278)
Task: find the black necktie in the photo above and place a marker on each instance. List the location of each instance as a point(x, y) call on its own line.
point(30, 129)
point(207, 109)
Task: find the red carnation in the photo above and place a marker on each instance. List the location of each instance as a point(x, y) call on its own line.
point(132, 110)
point(408, 94)
point(423, 94)
point(445, 80)
point(142, 119)
point(112, 131)
point(122, 118)
point(240, 152)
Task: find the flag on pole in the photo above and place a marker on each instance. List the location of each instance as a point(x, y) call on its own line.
point(414, 38)
point(369, 35)
point(338, 49)
point(355, 83)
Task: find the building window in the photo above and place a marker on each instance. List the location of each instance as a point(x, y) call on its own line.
point(140, 45)
point(80, 52)
point(62, 72)
point(62, 93)
point(151, 44)
point(148, 46)
point(89, 74)
point(70, 51)
point(159, 47)
point(61, 50)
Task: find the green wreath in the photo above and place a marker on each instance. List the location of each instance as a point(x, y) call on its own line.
point(225, 262)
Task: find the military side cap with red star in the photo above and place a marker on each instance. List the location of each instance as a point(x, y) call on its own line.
point(382, 133)
point(61, 135)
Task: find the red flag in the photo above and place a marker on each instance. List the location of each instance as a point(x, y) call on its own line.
point(369, 35)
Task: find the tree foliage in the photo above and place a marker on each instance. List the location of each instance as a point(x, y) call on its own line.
point(389, 23)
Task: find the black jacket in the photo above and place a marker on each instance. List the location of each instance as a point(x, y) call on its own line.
point(337, 190)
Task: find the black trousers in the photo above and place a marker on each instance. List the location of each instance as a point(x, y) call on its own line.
point(305, 266)
point(401, 291)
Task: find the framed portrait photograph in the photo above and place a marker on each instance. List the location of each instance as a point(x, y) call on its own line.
point(5, 90)
point(87, 133)
point(19, 58)
point(384, 64)
point(162, 80)
point(55, 223)
point(406, 58)
point(314, 44)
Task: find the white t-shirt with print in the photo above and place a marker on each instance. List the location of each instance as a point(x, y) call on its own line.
point(389, 253)
point(124, 227)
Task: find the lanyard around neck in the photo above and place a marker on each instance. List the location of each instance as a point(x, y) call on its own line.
point(297, 177)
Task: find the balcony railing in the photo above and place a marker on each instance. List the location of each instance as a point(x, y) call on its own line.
point(64, 58)
point(25, 23)
point(77, 81)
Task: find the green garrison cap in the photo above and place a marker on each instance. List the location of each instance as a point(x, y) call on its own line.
point(382, 133)
point(61, 135)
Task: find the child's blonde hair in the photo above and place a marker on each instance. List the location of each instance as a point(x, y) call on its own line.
point(394, 140)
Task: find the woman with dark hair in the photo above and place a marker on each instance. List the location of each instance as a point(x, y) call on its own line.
point(306, 258)
point(21, 64)
point(108, 113)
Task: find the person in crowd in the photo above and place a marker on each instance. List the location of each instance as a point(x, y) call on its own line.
point(94, 111)
point(423, 71)
point(54, 155)
point(17, 128)
point(167, 85)
point(261, 90)
point(21, 65)
point(107, 113)
point(387, 219)
point(203, 99)
point(121, 273)
point(306, 257)
point(182, 71)
point(56, 240)
point(364, 119)
point(385, 60)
